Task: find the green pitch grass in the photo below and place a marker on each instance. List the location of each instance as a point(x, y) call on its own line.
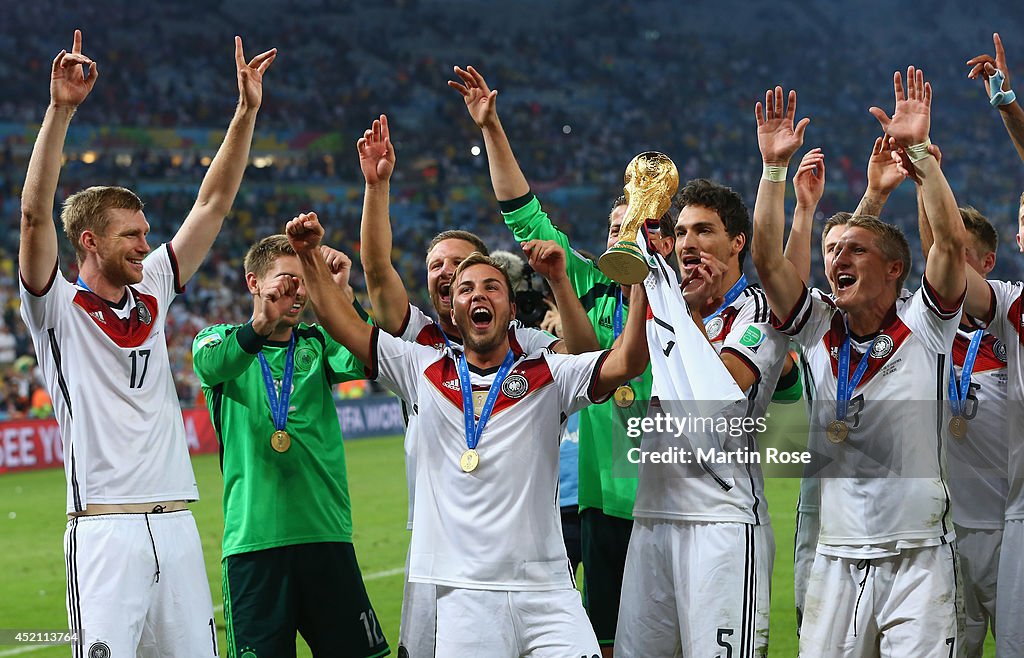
point(32, 564)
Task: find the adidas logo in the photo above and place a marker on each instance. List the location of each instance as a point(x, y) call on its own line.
point(452, 384)
point(99, 316)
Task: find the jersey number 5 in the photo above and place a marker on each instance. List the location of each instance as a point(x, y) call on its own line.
point(140, 364)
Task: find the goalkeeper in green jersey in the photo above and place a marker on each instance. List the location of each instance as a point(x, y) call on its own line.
point(288, 561)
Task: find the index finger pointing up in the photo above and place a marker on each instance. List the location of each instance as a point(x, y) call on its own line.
point(239, 54)
point(77, 47)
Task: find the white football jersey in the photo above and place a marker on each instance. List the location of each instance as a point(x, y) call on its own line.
point(499, 526)
point(108, 374)
point(421, 328)
point(1008, 326)
point(977, 462)
point(735, 492)
point(882, 488)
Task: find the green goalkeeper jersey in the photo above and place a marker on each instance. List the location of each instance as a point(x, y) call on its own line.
point(277, 498)
point(607, 481)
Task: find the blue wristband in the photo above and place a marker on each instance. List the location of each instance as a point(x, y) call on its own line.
point(997, 96)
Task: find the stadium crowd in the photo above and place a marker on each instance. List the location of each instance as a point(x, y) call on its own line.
point(677, 78)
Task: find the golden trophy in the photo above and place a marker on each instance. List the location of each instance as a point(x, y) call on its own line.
point(651, 181)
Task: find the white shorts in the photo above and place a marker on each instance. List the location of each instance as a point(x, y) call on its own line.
point(1010, 608)
point(416, 629)
point(551, 624)
point(137, 586)
point(914, 597)
point(695, 589)
point(979, 565)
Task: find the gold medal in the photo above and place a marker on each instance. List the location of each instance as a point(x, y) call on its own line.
point(624, 396)
point(280, 441)
point(479, 398)
point(958, 427)
point(469, 461)
point(837, 431)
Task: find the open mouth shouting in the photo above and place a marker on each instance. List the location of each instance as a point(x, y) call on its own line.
point(845, 281)
point(481, 317)
point(444, 291)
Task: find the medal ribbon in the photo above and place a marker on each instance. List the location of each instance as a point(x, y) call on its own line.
point(958, 395)
point(279, 405)
point(475, 429)
point(730, 297)
point(845, 385)
point(617, 321)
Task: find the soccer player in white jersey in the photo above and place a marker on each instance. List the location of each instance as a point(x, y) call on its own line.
point(883, 177)
point(136, 576)
point(394, 313)
point(487, 528)
point(1001, 304)
point(884, 580)
point(978, 451)
point(698, 570)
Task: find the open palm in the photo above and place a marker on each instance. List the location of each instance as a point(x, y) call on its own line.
point(777, 136)
point(911, 119)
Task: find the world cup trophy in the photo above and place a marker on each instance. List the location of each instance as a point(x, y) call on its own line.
point(651, 180)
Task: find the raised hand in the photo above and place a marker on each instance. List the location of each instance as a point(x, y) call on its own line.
point(272, 301)
point(809, 181)
point(546, 257)
point(376, 154)
point(480, 99)
point(339, 265)
point(911, 120)
point(304, 232)
point(883, 174)
point(69, 85)
point(777, 137)
point(985, 65)
point(250, 76)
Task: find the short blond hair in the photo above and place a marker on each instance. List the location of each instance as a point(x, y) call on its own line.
point(889, 239)
point(477, 258)
point(87, 211)
point(261, 256)
point(980, 228)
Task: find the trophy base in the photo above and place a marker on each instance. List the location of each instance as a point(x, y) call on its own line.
point(624, 264)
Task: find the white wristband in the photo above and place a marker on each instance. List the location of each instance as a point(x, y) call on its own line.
point(918, 152)
point(774, 174)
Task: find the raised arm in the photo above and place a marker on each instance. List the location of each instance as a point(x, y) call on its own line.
point(387, 292)
point(506, 176)
point(1010, 111)
point(220, 185)
point(883, 178)
point(70, 83)
point(335, 313)
point(629, 356)
point(547, 258)
point(778, 139)
point(908, 128)
point(978, 300)
point(809, 183)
